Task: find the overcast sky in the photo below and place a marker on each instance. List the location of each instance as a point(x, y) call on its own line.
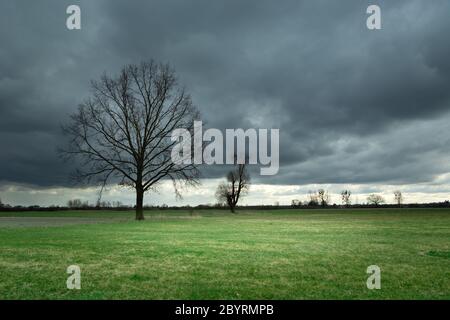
point(359, 109)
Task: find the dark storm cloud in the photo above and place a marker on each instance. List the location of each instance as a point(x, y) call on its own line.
point(352, 105)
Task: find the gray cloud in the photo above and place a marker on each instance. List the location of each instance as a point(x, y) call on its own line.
point(352, 105)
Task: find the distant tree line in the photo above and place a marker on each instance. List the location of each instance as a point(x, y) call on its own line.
point(228, 194)
point(300, 205)
point(321, 198)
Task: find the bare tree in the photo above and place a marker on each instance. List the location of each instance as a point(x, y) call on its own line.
point(323, 197)
point(313, 198)
point(237, 185)
point(77, 204)
point(375, 199)
point(345, 195)
point(398, 196)
point(123, 131)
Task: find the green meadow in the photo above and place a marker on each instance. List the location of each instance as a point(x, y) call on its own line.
point(213, 254)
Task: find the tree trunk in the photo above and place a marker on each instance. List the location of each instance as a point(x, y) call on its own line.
point(139, 203)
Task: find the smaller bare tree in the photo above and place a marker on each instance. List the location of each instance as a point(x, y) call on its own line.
point(75, 203)
point(375, 199)
point(237, 185)
point(313, 198)
point(398, 196)
point(323, 197)
point(345, 195)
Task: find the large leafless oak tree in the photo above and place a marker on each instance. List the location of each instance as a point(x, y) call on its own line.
point(123, 131)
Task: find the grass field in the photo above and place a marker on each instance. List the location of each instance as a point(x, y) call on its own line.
point(279, 254)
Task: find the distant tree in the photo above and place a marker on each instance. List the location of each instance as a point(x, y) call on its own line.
point(323, 197)
point(123, 131)
point(104, 204)
point(398, 197)
point(1, 203)
point(236, 186)
point(313, 199)
point(345, 196)
point(375, 199)
point(296, 203)
point(75, 203)
point(117, 204)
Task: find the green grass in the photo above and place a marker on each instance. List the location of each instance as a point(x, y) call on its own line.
point(280, 254)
